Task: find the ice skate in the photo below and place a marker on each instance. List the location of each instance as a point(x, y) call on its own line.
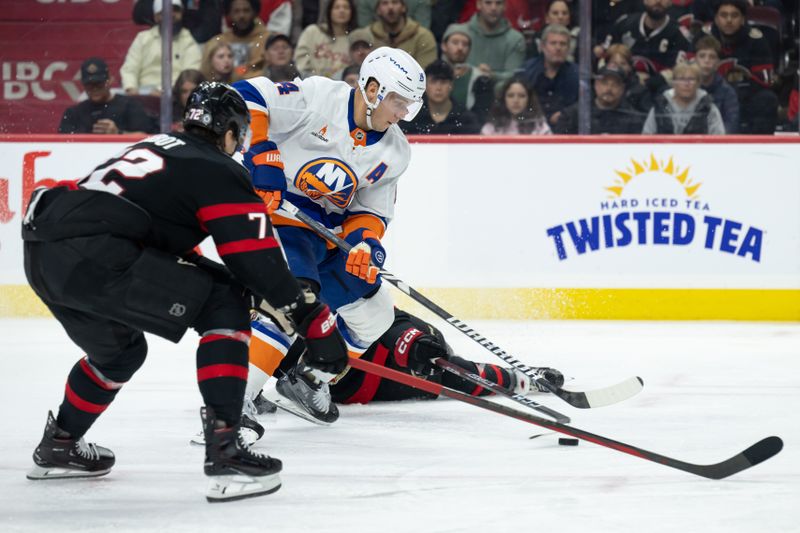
point(264, 406)
point(249, 428)
point(302, 395)
point(58, 457)
point(235, 471)
point(523, 384)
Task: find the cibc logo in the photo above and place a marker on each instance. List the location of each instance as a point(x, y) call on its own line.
point(24, 79)
point(655, 202)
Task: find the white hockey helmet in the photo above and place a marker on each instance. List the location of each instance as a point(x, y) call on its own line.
point(396, 72)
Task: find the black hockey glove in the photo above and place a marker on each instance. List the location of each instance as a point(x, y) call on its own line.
point(325, 347)
point(416, 350)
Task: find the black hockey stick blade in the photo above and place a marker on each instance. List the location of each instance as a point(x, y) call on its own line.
point(755, 454)
point(500, 391)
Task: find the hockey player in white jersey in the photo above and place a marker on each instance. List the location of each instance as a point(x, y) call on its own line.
point(336, 153)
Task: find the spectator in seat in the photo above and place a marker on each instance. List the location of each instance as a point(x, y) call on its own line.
point(187, 81)
point(439, 113)
point(516, 112)
point(246, 36)
point(497, 49)
point(278, 62)
point(102, 111)
point(651, 34)
point(558, 12)
point(707, 50)
point(640, 88)
point(202, 18)
point(394, 28)
point(419, 10)
point(324, 49)
point(141, 71)
point(747, 66)
point(350, 75)
point(554, 79)
point(471, 88)
point(359, 50)
point(686, 108)
point(217, 63)
point(610, 112)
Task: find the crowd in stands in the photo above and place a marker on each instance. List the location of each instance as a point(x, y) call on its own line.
point(493, 66)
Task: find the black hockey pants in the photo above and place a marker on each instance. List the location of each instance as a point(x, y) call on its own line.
point(106, 291)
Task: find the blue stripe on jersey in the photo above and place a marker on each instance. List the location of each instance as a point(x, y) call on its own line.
point(372, 136)
point(271, 331)
point(249, 93)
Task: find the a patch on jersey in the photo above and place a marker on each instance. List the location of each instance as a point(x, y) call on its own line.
point(327, 178)
point(755, 33)
point(321, 133)
point(359, 137)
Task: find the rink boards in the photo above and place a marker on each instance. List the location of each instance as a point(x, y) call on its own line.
point(565, 227)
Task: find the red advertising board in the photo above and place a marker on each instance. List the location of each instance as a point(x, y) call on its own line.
point(42, 45)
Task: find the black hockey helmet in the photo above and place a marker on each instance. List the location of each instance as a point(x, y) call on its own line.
point(217, 107)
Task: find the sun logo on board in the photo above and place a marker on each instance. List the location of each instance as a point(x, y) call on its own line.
point(670, 169)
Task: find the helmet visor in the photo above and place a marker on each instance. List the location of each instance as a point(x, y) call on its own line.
point(401, 106)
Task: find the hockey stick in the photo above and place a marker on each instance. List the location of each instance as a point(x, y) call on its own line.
point(755, 454)
point(500, 390)
point(582, 400)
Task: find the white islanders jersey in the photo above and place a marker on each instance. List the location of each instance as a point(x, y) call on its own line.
point(334, 169)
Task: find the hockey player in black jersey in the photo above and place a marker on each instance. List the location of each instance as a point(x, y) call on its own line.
point(109, 255)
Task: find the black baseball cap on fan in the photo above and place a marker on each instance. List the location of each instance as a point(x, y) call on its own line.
point(94, 70)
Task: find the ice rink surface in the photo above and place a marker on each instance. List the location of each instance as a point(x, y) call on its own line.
point(711, 390)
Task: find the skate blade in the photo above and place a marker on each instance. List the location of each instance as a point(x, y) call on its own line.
point(239, 487)
point(39, 473)
point(285, 404)
point(198, 440)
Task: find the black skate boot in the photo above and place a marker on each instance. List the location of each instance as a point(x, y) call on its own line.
point(299, 393)
point(249, 428)
point(235, 471)
point(264, 406)
point(57, 456)
point(524, 384)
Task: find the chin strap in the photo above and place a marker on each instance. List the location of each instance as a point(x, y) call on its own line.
point(369, 116)
point(370, 108)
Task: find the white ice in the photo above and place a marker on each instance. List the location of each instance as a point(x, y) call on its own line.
point(711, 390)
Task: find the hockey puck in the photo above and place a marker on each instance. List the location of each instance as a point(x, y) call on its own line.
point(568, 442)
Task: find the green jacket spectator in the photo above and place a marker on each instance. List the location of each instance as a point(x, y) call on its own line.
point(497, 49)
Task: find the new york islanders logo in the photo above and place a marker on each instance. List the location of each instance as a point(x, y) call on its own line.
point(327, 178)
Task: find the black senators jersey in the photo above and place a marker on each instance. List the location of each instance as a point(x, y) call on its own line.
point(192, 190)
point(659, 48)
point(749, 51)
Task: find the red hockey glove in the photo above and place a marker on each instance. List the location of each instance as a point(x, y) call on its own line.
point(326, 349)
point(416, 350)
